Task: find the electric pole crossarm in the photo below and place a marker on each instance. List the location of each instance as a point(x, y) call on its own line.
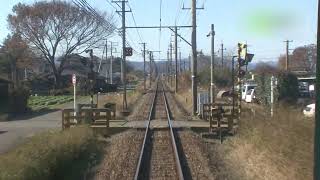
point(155, 27)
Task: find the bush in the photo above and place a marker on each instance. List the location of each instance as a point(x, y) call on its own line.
point(18, 100)
point(52, 155)
point(288, 88)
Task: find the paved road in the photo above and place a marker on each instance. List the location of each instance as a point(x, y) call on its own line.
point(15, 132)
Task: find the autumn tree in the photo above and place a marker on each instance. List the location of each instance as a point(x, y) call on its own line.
point(58, 29)
point(265, 68)
point(302, 59)
point(16, 54)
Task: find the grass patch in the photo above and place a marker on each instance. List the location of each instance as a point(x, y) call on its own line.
point(53, 155)
point(40, 102)
point(271, 148)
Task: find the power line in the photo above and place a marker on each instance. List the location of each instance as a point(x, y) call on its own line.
point(135, 23)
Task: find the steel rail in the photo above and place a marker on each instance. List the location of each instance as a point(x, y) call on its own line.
point(173, 143)
point(145, 135)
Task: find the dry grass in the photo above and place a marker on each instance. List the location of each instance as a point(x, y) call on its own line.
point(268, 148)
point(264, 148)
point(132, 98)
point(52, 155)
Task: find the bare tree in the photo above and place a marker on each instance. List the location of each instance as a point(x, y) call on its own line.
point(302, 58)
point(58, 29)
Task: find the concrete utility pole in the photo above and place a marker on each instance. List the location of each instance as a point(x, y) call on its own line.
point(111, 61)
point(184, 65)
point(212, 34)
point(194, 54)
point(189, 58)
point(106, 60)
point(233, 92)
point(167, 65)
point(91, 78)
point(123, 64)
point(176, 57)
point(144, 66)
point(316, 170)
point(150, 68)
point(180, 65)
point(222, 54)
point(239, 82)
point(171, 78)
point(287, 54)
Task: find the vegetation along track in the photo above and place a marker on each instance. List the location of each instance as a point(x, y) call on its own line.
point(159, 157)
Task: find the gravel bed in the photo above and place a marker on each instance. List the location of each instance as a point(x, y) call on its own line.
point(177, 110)
point(142, 107)
point(193, 155)
point(121, 156)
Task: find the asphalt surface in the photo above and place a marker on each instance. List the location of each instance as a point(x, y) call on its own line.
point(16, 131)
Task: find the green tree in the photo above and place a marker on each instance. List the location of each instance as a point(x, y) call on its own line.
point(288, 87)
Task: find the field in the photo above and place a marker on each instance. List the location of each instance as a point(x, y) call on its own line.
point(40, 102)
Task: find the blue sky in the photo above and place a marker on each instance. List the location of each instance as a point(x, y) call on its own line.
point(263, 24)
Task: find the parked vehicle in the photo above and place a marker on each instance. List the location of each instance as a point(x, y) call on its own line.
point(309, 110)
point(248, 91)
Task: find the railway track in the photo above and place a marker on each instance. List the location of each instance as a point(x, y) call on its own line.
point(159, 157)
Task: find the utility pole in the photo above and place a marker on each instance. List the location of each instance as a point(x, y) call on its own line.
point(316, 167)
point(106, 60)
point(171, 78)
point(150, 68)
point(144, 66)
point(212, 34)
point(194, 54)
point(287, 54)
point(91, 76)
point(176, 57)
point(111, 61)
point(239, 82)
point(123, 65)
point(168, 65)
point(222, 54)
point(184, 65)
point(180, 65)
point(189, 58)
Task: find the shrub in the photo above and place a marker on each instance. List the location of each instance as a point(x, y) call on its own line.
point(18, 100)
point(52, 155)
point(288, 88)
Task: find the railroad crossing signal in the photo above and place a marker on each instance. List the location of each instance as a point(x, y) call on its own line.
point(244, 58)
point(128, 51)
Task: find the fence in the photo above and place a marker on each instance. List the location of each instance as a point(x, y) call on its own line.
point(91, 116)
